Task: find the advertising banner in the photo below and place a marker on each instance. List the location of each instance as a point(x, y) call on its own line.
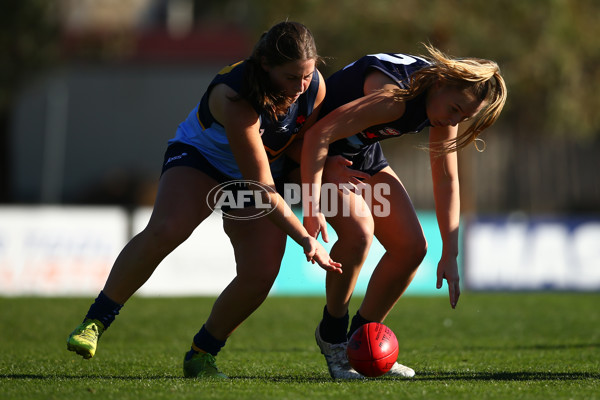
point(530, 253)
point(55, 251)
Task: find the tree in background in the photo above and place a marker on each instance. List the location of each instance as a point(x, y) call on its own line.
point(548, 49)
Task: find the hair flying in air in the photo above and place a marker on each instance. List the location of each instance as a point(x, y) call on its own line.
point(478, 76)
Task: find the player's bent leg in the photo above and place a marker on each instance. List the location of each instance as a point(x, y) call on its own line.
point(354, 228)
point(401, 235)
point(259, 246)
point(180, 206)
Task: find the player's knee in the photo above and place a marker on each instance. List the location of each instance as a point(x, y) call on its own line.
point(262, 281)
point(413, 247)
point(420, 248)
point(358, 240)
point(168, 232)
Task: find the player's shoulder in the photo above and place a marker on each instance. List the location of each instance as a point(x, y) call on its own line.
point(225, 104)
point(319, 82)
point(232, 69)
point(397, 66)
point(232, 75)
point(395, 59)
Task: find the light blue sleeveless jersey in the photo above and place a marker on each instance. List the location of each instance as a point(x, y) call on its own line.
point(202, 131)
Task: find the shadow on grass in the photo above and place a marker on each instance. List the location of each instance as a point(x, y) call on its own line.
point(123, 378)
point(41, 377)
point(507, 376)
point(424, 376)
point(539, 347)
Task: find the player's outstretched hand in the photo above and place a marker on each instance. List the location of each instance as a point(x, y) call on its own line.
point(316, 225)
point(337, 170)
point(448, 270)
point(315, 252)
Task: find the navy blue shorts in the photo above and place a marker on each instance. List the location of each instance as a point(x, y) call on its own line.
point(369, 159)
point(185, 155)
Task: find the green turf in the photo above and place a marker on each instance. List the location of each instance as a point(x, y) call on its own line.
point(493, 346)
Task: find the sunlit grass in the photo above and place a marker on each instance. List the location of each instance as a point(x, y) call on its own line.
point(493, 346)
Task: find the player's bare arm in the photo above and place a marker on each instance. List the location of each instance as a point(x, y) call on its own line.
point(444, 170)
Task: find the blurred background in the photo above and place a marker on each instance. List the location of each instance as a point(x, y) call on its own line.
point(91, 90)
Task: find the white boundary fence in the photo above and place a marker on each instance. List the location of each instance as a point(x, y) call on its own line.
point(68, 251)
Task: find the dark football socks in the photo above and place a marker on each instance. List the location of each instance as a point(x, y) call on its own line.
point(357, 322)
point(104, 310)
point(204, 341)
point(333, 330)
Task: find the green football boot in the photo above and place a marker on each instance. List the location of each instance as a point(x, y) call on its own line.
point(84, 339)
point(202, 365)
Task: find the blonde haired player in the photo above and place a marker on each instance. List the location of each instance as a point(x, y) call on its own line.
point(381, 96)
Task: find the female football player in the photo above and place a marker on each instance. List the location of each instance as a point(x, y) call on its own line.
point(247, 117)
point(381, 96)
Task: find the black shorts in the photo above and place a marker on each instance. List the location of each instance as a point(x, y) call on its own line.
point(369, 159)
point(185, 155)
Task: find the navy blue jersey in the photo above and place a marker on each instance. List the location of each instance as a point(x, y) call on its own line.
point(276, 134)
point(347, 84)
point(206, 134)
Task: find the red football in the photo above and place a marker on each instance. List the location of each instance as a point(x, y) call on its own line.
point(373, 349)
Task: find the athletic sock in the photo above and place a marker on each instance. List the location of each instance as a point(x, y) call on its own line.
point(104, 310)
point(204, 341)
point(357, 322)
point(332, 329)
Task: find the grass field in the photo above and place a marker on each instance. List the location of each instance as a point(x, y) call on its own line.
point(493, 346)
